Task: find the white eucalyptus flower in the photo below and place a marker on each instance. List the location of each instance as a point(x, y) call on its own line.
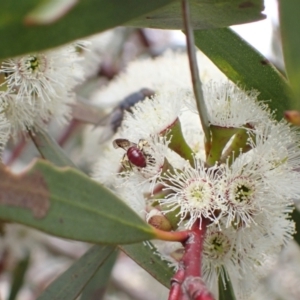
point(43, 76)
point(245, 192)
point(4, 131)
point(230, 106)
point(237, 255)
point(277, 143)
point(276, 153)
point(192, 191)
point(25, 115)
point(155, 115)
point(39, 88)
point(20, 115)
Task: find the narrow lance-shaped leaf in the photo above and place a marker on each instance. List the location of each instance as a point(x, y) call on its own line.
point(25, 27)
point(66, 203)
point(49, 149)
point(226, 291)
point(146, 257)
point(70, 284)
point(289, 26)
point(18, 277)
point(96, 287)
point(204, 14)
point(245, 66)
point(296, 218)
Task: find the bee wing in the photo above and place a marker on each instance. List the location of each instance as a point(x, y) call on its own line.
point(103, 121)
point(122, 143)
point(111, 123)
point(112, 119)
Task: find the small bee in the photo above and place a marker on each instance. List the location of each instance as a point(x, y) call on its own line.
point(134, 152)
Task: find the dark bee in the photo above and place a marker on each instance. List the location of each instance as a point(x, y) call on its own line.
point(113, 120)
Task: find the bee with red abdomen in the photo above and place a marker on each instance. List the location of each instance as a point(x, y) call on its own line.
point(134, 152)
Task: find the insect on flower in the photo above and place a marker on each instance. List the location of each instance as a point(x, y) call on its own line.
point(113, 120)
point(134, 152)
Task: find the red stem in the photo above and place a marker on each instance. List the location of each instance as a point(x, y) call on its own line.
point(17, 151)
point(68, 132)
point(176, 282)
point(195, 289)
point(193, 250)
point(187, 283)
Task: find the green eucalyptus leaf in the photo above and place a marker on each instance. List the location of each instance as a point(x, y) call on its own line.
point(289, 26)
point(70, 284)
point(49, 149)
point(18, 277)
point(96, 288)
point(226, 291)
point(245, 66)
point(204, 14)
point(49, 11)
point(67, 203)
point(146, 257)
point(33, 25)
point(296, 218)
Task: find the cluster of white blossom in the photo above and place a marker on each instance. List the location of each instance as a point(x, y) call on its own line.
point(242, 183)
point(36, 88)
